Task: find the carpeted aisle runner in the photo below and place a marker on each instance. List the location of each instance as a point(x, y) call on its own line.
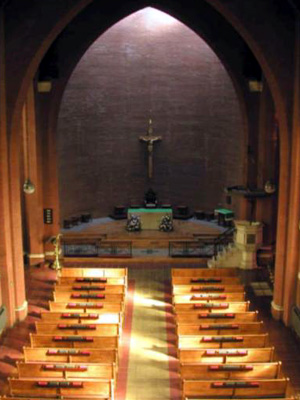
point(152, 368)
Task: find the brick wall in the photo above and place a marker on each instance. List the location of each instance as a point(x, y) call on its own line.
point(146, 66)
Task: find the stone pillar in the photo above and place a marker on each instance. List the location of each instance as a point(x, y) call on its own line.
point(248, 239)
point(32, 201)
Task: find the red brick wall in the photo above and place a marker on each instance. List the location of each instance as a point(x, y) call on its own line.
point(136, 66)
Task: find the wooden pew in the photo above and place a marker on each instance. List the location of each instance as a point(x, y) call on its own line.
point(206, 288)
point(205, 272)
point(213, 317)
point(205, 281)
point(204, 297)
point(88, 296)
point(191, 371)
point(223, 341)
point(78, 272)
point(77, 329)
point(190, 398)
point(95, 288)
point(66, 370)
point(81, 318)
point(226, 356)
point(235, 389)
point(73, 280)
point(219, 329)
point(85, 306)
point(215, 306)
point(68, 355)
point(75, 388)
point(76, 341)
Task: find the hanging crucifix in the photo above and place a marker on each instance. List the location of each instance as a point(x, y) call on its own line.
point(149, 139)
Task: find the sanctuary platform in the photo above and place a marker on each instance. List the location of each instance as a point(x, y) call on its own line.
point(146, 243)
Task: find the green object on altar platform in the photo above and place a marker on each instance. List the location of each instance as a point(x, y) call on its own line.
point(150, 210)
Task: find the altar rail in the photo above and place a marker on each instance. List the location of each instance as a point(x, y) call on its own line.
point(204, 245)
point(95, 246)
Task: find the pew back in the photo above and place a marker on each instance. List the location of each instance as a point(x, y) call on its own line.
point(205, 272)
point(259, 388)
point(102, 389)
point(81, 329)
point(212, 306)
point(183, 317)
point(76, 342)
point(85, 306)
point(219, 329)
point(66, 371)
point(224, 341)
point(88, 296)
point(207, 288)
point(68, 355)
point(191, 371)
point(75, 317)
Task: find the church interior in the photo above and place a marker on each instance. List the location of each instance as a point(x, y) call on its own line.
point(150, 199)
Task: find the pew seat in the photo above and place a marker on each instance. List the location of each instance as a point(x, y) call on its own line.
point(212, 371)
point(69, 355)
point(226, 356)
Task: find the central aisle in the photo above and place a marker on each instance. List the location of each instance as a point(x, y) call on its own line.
point(148, 375)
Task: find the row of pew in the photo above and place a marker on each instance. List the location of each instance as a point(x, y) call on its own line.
point(74, 352)
point(222, 346)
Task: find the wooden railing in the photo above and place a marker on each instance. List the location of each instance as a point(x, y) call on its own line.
point(204, 245)
point(95, 246)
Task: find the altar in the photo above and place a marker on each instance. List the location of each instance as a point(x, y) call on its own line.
point(150, 217)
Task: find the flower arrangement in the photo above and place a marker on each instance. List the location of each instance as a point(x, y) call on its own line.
point(166, 224)
point(133, 224)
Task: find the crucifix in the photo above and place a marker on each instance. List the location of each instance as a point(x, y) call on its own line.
point(149, 139)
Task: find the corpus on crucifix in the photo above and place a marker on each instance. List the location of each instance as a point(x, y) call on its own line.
point(149, 139)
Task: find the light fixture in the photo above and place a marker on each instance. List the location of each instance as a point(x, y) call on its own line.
point(270, 187)
point(28, 186)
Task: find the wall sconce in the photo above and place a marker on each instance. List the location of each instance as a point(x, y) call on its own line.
point(28, 187)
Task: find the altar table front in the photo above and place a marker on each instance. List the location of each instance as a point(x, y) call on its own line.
point(150, 217)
